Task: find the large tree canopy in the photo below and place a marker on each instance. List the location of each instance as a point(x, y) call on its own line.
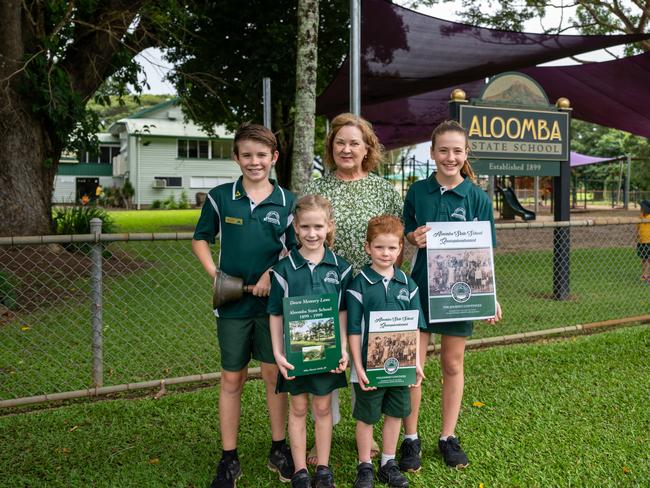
point(220, 70)
point(54, 56)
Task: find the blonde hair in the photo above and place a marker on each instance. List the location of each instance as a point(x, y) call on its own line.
point(453, 126)
point(312, 203)
point(384, 224)
point(370, 139)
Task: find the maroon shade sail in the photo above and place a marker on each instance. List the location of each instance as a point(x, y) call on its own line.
point(410, 62)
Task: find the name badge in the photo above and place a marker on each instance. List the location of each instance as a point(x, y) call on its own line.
point(234, 220)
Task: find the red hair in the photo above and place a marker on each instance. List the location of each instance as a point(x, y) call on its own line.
point(384, 224)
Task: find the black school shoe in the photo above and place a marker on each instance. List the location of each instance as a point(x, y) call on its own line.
point(228, 472)
point(390, 474)
point(452, 453)
point(301, 479)
point(365, 476)
point(281, 462)
point(323, 478)
point(410, 455)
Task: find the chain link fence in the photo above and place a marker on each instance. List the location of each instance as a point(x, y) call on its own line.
point(89, 314)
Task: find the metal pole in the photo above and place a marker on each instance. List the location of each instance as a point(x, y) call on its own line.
point(266, 96)
point(355, 57)
point(562, 235)
point(536, 194)
point(628, 173)
point(96, 306)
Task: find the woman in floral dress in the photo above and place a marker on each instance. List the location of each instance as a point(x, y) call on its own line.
point(352, 152)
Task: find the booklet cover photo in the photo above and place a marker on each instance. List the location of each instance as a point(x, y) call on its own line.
point(312, 341)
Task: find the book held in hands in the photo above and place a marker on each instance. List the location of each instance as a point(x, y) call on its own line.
point(460, 267)
point(312, 340)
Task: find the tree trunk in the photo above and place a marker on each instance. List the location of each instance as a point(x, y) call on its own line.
point(28, 163)
point(306, 72)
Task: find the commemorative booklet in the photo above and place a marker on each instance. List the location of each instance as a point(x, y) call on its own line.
point(392, 348)
point(460, 267)
point(312, 338)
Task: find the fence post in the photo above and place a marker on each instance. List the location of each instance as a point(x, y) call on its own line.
point(96, 305)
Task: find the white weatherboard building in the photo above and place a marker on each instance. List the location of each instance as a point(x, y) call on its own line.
point(158, 152)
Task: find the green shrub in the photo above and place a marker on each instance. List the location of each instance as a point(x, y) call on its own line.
point(182, 201)
point(170, 203)
point(76, 220)
point(8, 295)
point(156, 204)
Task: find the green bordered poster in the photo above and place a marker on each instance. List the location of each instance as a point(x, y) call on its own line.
point(460, 269)
point(312, 340)
point(392, 348)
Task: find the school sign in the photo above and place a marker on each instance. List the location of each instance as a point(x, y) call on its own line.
point(509, 134)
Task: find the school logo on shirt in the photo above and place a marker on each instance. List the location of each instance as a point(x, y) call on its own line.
point(272, 217)
point(403, 295)
point(331, 277)
point(459, 214)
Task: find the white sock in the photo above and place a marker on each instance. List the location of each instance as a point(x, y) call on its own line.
point(446, 437)
point(413, 437)
point(369, 461)
point(386, 457)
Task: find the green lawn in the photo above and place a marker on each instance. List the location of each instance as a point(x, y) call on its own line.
point(567, 413)
point(155, 220)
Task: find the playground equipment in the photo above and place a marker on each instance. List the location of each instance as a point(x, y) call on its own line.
point(512, 207)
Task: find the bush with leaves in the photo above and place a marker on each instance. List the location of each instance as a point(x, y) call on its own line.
point(170, 203)
point(182, 201)
point(76, 220)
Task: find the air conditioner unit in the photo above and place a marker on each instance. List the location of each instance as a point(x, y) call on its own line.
point(160, 183)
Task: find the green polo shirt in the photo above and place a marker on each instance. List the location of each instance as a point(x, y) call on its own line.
point(251, 237)
point(295, 276)
point(425, 202)
point(369, 292)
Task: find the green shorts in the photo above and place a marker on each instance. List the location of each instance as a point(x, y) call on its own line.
point(460, 329)
point(394, 401)
point(241, 339)
point(643, 250)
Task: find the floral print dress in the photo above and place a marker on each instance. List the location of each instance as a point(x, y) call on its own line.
point(355, 203)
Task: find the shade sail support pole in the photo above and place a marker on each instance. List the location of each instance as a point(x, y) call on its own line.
point(355, 57)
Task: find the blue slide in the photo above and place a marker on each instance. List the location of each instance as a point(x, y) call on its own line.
point(512, 207)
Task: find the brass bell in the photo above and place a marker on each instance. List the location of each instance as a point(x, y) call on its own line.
point(227, 289)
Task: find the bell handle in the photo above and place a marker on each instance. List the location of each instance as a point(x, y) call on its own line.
point(249, 288)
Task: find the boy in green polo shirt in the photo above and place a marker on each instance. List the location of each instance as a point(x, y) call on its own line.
point(380, 287)
point(252, 218)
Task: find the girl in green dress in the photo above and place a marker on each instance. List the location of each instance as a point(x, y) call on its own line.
point(448, 195)
point(312, 269)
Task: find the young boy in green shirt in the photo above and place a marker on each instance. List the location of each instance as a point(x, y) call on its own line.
point(252, 218)
point(380, 287)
